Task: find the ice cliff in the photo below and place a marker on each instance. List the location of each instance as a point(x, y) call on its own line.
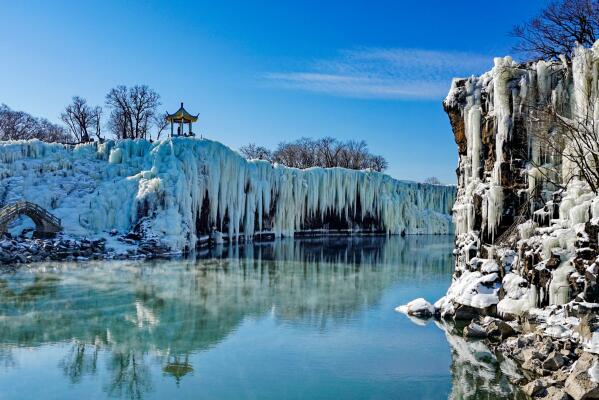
point(178, 189)
point(526, 224)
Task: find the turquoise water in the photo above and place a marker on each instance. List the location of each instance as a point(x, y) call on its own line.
point(303, 319)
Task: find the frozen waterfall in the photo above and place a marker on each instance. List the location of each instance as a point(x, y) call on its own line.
point(177, 189)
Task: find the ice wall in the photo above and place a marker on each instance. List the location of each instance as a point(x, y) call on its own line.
point(496, 118)
point(521, 204)
point(178, 188)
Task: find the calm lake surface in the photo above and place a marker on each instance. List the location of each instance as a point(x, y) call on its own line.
point(303, 319)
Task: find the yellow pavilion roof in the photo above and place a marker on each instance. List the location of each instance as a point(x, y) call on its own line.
point(181, 116)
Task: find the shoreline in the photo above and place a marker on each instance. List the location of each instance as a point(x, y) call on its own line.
point(127, 247)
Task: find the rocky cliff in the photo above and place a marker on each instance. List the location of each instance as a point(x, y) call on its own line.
point(522, 213)
point(527, 215)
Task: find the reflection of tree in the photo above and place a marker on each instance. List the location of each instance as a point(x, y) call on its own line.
point(81, 360)
point(7, 359)
point(187, 305)
point(42, 286)
point(130, 376)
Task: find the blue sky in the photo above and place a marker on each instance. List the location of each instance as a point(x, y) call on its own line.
point(268, 71)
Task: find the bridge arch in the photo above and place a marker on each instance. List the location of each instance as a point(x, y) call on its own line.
point(46, 224)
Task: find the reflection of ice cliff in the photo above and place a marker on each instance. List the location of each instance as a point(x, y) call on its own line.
point(177, 307)
point(477, 373)
point(118, 320)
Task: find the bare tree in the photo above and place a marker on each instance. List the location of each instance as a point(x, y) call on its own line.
point(97, 122)
point(82, 120)
point(254, 152)
point(160, 123)
point(329, 150)
point(144, 102)
point(299, 154)
point(49, 132)
point(354, 155)
point(574, 141)
point(558, 28)
point(325, 152)
point(377, 163)
point(564, 144)
point(433, 180)
point(19, 125)
point(132, 110)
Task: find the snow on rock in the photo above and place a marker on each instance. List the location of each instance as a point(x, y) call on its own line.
point(592, 344)
point(475, 289)
point(417, 308)
point(177, 189)
point(519, 296)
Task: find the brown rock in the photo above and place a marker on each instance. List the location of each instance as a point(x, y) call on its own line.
point(555, 393)
point(500, 329)
point(554, 361)
point(553, 262)
point(535, 388)
point(579, 384)
point(474, 330)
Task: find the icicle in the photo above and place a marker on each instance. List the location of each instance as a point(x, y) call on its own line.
point(166, 183)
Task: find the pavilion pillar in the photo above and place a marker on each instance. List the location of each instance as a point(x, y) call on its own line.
point(171, 128)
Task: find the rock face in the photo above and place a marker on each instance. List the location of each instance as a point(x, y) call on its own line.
point(581, 383)
point(527, 223)
point(522, 241)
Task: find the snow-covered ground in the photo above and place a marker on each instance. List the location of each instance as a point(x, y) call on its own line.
point(174, 189)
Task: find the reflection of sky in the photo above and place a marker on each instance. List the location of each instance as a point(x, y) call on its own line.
point(294, 320)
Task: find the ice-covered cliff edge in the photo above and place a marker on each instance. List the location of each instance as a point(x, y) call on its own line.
point(527, 219)
point(523, 217)
point(180, 188)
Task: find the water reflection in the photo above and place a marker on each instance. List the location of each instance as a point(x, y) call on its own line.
point(185, 305)
point(478, 373)
point(129, 326)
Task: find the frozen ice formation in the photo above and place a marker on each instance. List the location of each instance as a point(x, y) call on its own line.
point(520, 202)
point(180, 188)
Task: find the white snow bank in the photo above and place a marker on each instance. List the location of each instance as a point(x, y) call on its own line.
point(474, 289)
point(519, 296)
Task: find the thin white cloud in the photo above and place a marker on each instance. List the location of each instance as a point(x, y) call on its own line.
point(383, 73)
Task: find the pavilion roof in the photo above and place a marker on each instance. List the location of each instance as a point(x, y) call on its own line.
point(181, 115)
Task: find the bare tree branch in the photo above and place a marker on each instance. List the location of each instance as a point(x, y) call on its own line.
point(325, 152)
point(558, 29)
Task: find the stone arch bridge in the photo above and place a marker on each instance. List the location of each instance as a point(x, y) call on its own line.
point(46, 224)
